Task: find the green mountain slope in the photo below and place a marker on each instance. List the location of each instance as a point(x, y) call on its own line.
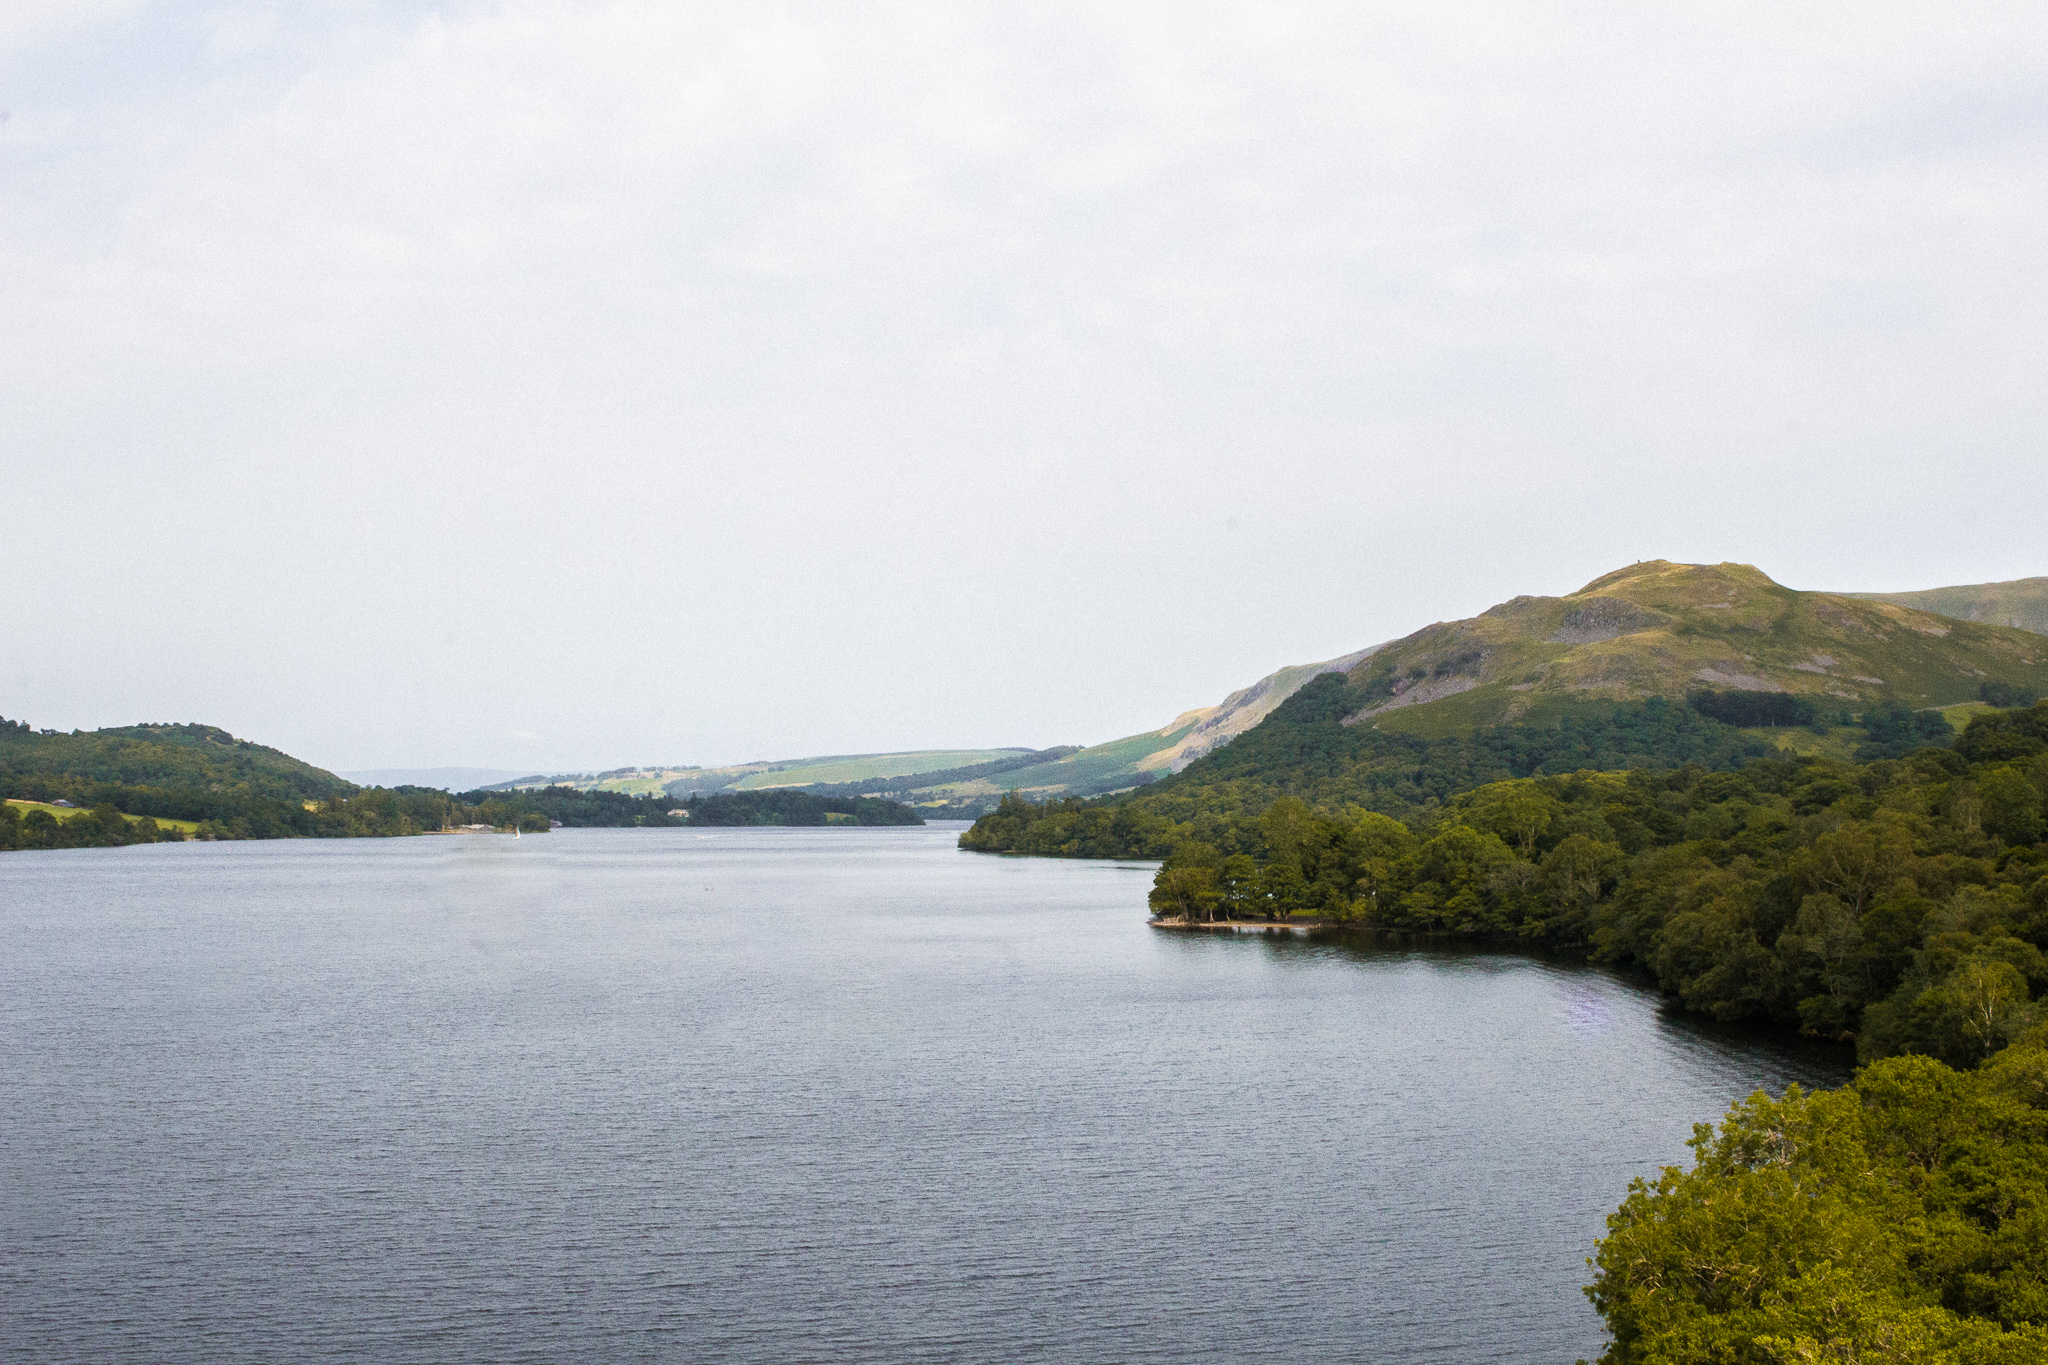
point(1663, 629)
point(2022, 603)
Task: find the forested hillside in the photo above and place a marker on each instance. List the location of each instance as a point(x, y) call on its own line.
point(1901, 901)
point(1304, 750)
point(48, 764)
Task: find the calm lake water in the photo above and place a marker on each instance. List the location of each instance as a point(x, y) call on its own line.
point(790, 1095)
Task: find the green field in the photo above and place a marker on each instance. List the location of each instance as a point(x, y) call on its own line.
point(632, 786)
point(1960, 714)
point(73, 812)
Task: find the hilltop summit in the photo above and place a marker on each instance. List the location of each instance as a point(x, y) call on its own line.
point(1657, 628)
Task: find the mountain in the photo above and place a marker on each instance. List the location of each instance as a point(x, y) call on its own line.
point(1646, 630)
point(1199, 732)
point(1655, 628)
point(2022, 603)
point(1656, 666)
point(1663, 629)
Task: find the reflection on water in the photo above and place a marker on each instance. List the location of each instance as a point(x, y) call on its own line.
point(791, 1095)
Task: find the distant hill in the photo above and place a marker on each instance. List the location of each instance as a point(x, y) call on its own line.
point(1195, 733)
point(945, 783)
point(1120, 764)
point(2022, 603)
point(198, 758)
point(683, 781)
point(1652, 629)
point(146, 783)
point(442, 779)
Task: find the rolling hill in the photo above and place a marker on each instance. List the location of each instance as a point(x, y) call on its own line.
point(871, 770)
point(2022, 603)
point(946, 783)
point(197, 758)
point(1122, 764)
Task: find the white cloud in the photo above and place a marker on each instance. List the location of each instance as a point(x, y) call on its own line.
point(26, 24)
point(882, 375)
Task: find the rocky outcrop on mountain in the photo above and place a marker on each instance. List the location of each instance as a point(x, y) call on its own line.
point(1213, 727)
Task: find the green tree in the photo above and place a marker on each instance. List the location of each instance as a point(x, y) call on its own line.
point(2011, 806)
point(1904, 1218)
point(1238, 887)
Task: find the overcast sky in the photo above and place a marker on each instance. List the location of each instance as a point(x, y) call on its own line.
point(545, 385)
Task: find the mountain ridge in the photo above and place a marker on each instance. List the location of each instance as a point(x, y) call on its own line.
point(2019, 602)
point(1657, 628)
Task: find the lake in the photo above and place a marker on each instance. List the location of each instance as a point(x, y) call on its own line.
point(791, 1095)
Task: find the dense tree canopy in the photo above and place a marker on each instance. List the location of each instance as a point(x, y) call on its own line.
point(1901, 1218)
point(1901, 901)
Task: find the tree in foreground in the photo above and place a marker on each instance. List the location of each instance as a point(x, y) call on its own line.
point(1901, 1218)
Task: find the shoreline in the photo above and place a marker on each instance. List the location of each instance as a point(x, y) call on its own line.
point(1236, 926)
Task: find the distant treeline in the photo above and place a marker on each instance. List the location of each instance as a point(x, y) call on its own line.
point(1891, 730)
point(2006, 694)
point(795, 806)
point(229, 788)
point(585, 809)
